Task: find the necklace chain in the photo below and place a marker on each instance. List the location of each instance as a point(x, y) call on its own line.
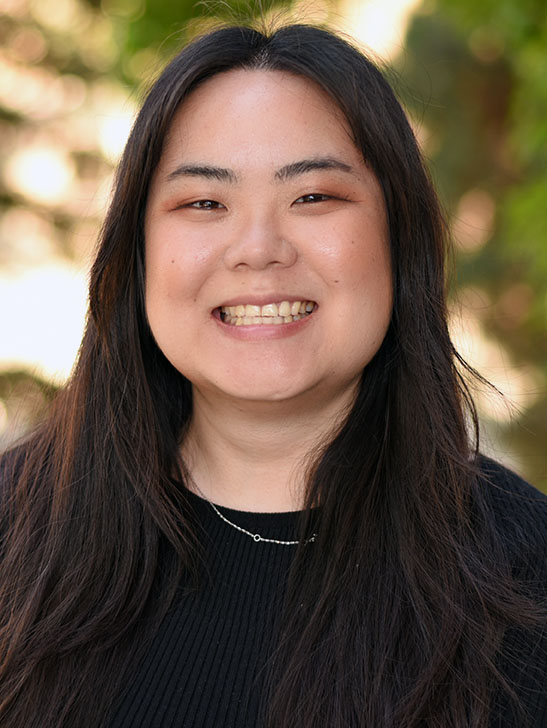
point(255, 536)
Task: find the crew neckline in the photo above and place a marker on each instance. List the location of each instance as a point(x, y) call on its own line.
point(283, 525)
point(238, 510)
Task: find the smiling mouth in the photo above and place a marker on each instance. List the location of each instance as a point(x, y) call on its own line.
point(284, 312)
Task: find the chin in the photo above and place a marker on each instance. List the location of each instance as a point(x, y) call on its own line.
point(264, 393)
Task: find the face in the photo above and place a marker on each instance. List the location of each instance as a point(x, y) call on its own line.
point(267, 260)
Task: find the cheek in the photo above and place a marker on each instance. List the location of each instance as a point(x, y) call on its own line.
point(362, 266)
point(162, 282)
point(370, 254)
point(175, 269)
point(355, 247)
point(363, 278)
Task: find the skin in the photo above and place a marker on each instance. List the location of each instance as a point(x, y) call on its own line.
point(231, 218)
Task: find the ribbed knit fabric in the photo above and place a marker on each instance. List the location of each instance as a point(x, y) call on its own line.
point(205, 668)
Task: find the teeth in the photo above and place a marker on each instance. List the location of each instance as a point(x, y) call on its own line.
point(270, 309)
point(284, 308)
point(249, 314)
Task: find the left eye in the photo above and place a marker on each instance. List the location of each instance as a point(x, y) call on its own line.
point(313, 197)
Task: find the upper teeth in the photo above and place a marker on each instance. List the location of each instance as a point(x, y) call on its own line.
point(249, 313)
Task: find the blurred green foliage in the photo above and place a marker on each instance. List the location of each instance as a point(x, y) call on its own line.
point(475, 77)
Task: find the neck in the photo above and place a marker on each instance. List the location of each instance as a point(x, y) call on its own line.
point(254, 456)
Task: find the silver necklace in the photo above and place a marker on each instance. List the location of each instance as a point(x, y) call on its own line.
point(255, 536)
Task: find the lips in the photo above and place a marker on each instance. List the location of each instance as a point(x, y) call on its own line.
point(278, 313)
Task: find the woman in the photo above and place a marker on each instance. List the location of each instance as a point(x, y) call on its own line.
point(256, 502)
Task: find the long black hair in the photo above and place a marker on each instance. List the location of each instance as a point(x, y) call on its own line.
point(94, 538)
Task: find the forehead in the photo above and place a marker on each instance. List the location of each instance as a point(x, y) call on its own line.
point(239, 113)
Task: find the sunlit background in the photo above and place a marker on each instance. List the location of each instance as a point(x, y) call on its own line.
point(473, 77)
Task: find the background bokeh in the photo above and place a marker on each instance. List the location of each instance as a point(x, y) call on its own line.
point(473, 76)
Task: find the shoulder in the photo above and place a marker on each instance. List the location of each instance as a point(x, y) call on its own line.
point(505, 481)
point(518, 512)
point(513, 501)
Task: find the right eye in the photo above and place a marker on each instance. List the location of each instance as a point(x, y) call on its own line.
point(205, 205)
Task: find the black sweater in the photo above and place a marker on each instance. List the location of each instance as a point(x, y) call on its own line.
point(205, 667)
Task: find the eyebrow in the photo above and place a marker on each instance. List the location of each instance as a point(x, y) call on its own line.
point(203, 170)
point(289, 171)
point(309, 165)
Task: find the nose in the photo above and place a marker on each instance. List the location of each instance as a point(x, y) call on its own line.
point(258, 244)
